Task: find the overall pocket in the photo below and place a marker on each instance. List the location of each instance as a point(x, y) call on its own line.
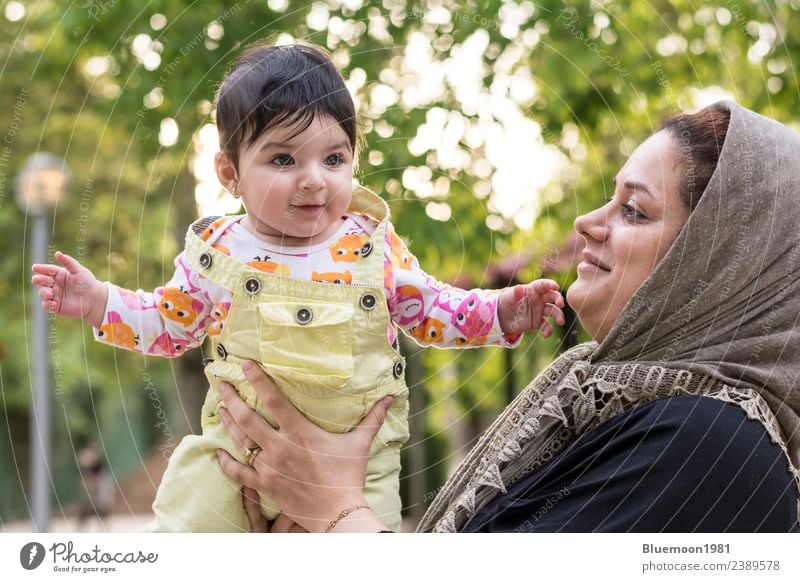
point(307, 341)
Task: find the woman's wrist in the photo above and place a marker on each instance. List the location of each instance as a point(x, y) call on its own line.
point(352, 516)
point(362, 520)
point(343, 514)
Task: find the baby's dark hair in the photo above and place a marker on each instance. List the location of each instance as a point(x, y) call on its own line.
point(288, 85)
point(699, 138)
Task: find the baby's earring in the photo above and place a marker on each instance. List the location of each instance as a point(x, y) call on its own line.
point(233, 193)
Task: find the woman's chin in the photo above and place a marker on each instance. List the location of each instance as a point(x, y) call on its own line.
point(577, 294)
point(579, 297)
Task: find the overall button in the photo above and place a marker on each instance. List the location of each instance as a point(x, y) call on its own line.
point(222, 352)
point(252, 286)
point(303, 315)
point(368, 301)
point(398, 369)
point(205, 260)
point(366, 249)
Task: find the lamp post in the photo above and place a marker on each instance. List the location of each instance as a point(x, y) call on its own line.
point(40, 186)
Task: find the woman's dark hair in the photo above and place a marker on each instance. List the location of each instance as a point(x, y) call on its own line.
point(280, 85)
point(699, 137)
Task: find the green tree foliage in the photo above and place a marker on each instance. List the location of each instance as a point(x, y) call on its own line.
point(440, 86)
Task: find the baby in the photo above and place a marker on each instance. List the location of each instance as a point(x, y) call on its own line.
point(311, 282)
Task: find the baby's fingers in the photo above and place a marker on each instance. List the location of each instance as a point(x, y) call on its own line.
point(44, 269)
point(43, 280)
point(554, 297)
point(46, 293)
point(70, 264)
point(544, 285)
point(50, 302)
point(555, 312)
point(548, 290)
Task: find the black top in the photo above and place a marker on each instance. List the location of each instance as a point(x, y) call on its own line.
point(680, 464)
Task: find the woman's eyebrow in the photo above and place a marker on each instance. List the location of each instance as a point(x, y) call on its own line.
point(634, 185)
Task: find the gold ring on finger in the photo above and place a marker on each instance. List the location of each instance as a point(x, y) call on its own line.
point(250, 454)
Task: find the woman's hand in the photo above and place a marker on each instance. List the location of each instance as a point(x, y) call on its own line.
point(311, 474)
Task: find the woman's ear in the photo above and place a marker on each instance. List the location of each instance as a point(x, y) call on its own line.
point(226, 171)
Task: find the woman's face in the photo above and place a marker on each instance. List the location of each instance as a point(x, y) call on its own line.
point(626, 238)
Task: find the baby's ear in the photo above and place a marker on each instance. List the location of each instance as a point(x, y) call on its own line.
point(226, 171)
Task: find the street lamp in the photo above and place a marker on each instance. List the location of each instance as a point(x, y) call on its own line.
point(40, 186)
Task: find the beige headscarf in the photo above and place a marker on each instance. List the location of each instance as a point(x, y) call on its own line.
point(717, 317)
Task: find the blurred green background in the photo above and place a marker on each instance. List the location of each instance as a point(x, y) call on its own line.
point(489, 126)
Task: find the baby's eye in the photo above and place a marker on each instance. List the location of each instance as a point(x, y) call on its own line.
point(334, 160)
point(281, 160)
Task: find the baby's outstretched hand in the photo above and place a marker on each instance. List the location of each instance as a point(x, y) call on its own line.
point(524, 307)
point(70, 290)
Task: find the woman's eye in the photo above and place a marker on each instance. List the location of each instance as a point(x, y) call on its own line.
point(281, 160)
point(334, 160)
point(631, 213)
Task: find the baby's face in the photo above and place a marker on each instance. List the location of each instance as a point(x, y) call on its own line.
point(296, 188)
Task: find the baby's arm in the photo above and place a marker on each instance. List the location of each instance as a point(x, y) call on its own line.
point(524, 307)
point(434, 313)
point(71, 290)
point(166, 322)
point(437, 314)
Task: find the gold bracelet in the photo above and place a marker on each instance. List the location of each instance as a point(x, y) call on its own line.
point(344, 513)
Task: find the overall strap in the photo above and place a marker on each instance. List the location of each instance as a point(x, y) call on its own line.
point(369, 269)
point(209, 262)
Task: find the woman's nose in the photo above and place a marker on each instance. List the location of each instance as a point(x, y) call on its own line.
point(593, 224)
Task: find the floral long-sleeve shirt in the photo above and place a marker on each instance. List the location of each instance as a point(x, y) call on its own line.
point(180, 314)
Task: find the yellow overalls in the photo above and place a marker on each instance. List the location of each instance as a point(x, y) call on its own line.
point(326, 347)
